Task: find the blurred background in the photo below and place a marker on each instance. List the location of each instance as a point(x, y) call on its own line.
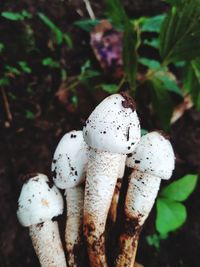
point(58, 60)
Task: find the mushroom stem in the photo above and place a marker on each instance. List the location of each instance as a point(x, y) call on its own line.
point(47, 244)
point(142, 191)
point(127, 245)
point(101, 179)
point(115, 198)
point(73, 230)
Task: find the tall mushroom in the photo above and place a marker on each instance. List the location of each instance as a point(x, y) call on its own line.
point(69, 170)
point(115, 198)
point(152, 161)
point(39, 203)
point(113, 129)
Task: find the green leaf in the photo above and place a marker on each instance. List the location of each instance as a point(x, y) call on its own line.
point(24, 66)
point(150, 63)
point(2, 46)
point(110, 88)
point(153, 42)
point(60, 36)
point(174, 2)
point(180, 189)
point(87, 24)
point(168, 81)
point(153, 240)
point(50, 62)
point(13, 70)
point(4, 82)
point(162, 103)
point(29, 115)
point(16, 16)
point(170, 215)
point(117, 14)
point(180, 32)
point(152, 24)
point(192, 81)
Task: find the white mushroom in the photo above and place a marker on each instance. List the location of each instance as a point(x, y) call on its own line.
point(152, 161)
point(38, 204)
point(69, 169)
point(115, 198)
point(113, 129)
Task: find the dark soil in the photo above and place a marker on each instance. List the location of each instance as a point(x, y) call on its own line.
point(27, 145)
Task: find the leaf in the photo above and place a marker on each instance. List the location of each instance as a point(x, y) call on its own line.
point(180, 189)
point(4, 82)
point(170, 215)
point(150, 63)
point(152, 24)
point(58, 33)
point(117, 14)
point(50, 62)
point(110, 88)
point(192, 81)
point(87, 24)
point(29, 115)
point(180, 32)
point(162, 103)
point(16, 16)
point(174, 2)
point(2, 46)
point(24, 66)
point(153, 42)
point(168, 81)
point(12, 70)
point(153, 240)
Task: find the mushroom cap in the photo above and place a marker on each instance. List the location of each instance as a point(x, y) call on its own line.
point(153, 155)
point(113, 126)
point(39, 201)
point(70, 160)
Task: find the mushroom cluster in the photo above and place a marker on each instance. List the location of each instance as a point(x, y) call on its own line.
point(89, 165)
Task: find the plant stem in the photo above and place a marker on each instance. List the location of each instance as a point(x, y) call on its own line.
point(89, 9)
point(6, 104)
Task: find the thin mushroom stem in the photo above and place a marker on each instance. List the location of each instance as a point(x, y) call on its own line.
point(115, 198)
point(100, 184)
point(73, 230)
point(141, 194)
point(47, 244)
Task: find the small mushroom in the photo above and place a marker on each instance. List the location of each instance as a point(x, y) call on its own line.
point(39, 203)
point(115, 198)
point(113, 129)
point(152, 161)
point(69, 170)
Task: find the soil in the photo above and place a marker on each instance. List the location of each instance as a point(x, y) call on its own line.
point(27, 145)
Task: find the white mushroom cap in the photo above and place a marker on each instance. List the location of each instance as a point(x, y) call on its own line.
point(39, 201)
point(153, 155)
point(70, 160)
point(113, 126)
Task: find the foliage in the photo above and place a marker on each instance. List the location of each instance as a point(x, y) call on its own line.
point(171, 212)
point(87, 24)
point(59, 35)
point(16, 16)
point(117, 14)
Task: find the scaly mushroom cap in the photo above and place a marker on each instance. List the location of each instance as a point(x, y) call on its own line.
point(70, 160)
point(113, 126)
point(39, 201)
point(153, 155)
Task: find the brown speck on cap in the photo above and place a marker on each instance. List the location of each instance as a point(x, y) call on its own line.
point(128, 102)
point(27, 177)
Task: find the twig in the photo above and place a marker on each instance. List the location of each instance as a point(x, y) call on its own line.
point(6, 104)
point(89, 9)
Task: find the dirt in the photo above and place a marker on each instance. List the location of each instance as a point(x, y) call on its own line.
point(27, 145)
